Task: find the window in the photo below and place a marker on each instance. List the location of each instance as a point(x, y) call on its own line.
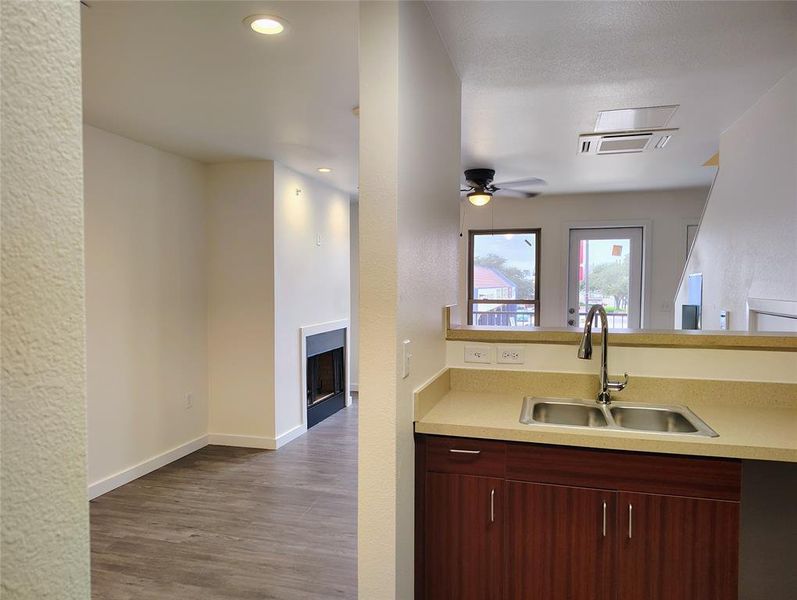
point(503, 280)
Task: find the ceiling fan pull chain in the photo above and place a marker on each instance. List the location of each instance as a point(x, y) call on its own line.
point(461, 216)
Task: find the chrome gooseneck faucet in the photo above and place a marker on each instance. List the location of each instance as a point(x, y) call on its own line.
point(585, 352)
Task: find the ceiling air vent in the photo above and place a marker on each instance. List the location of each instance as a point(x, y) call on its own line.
point(647, 118)
point(624, 142)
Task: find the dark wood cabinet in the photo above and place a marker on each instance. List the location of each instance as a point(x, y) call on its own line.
point(522, 521)
point(560, 542)
point(464, 537)
point(674, 548)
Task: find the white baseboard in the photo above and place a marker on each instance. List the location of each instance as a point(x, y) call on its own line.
point(290, 435)
point(103, 486)
point(256, 441)
point(354, 387)
point(242, 441)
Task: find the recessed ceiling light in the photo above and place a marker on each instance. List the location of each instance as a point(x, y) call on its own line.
point(324, 170)
point(265, 24)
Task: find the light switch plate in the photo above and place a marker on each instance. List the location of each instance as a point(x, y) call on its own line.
point(724, 320)
point(510, 355)
point(406, 356)
point(478, 354)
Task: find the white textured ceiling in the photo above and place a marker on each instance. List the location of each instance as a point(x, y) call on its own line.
point(535, 74)
point(190, 78)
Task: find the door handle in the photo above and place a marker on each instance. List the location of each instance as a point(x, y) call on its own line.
point(630, 520)
point(604, 518)
point(457, 451)
point(492, 505)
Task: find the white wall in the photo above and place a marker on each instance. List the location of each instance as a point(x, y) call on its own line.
point(145, 301)
point(311, 281)
point(410, 132)
point(267, 279)
point(746, 244)
point(198, 280)
point(676, 363)
point(45, 531)
point(354, 274)
point(665, 215)
point(241, 301)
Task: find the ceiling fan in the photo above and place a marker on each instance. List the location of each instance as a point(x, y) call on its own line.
point(481, 187)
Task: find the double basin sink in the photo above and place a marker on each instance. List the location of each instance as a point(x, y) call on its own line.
point(619, 416)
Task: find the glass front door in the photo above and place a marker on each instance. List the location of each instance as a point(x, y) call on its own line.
point(605, 267)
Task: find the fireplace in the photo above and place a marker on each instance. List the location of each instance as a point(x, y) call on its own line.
point(326, 375)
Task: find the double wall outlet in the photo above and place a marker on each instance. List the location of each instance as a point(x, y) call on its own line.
point(504, 355)
point(478, 354)
point(510, 355)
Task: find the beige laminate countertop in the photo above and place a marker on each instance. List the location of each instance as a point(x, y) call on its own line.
point(751, 432)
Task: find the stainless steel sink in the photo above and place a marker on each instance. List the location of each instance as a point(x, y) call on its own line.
point(568, 413)
point(652, 419)
point(618, 416)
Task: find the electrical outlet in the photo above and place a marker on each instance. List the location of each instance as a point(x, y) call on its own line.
point(189, 401)
point(511, 355)
point(477, 354)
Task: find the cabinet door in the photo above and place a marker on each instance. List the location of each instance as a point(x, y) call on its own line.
point(560, 542)
point(463, 537)
point(674, 548)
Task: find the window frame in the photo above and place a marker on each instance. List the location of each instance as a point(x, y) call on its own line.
point(471, 301)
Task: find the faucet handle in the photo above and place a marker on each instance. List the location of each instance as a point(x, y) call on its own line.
point(618, 386)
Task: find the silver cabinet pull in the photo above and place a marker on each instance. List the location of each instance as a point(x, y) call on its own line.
point(456, 451)
point(630, 520)
point(604, 518)
point(492, 505)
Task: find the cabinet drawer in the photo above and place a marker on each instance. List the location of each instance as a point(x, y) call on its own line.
point(466, 456)
point(669, 474)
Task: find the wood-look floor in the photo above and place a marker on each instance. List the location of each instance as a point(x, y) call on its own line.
point(235, 523)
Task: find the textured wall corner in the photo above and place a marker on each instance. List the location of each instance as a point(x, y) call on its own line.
point(44, 512)
point(409, 131)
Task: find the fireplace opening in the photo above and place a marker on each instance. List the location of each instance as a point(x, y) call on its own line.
point(326, 375)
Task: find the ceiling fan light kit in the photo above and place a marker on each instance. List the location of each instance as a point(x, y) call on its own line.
point(479, 197)
point(480, 186)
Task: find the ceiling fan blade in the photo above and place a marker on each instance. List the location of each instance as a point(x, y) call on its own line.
point(505, 193)
point(523, 182)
